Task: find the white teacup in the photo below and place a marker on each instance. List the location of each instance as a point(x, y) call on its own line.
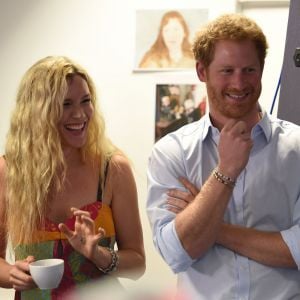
point(47, 273)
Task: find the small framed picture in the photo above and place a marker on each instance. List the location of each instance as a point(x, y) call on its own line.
point(178, 105)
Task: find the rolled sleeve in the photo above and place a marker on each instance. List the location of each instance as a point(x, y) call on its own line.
point(170, 248)
point(292, 239)
point(164, 168)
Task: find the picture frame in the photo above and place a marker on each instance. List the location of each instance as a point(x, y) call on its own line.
point(164, 38)
point(178, 105)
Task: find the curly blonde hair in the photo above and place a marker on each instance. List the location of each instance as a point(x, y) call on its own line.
point(228, 27)
point(33, 153)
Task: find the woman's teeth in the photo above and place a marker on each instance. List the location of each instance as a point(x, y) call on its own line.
point(75, 126)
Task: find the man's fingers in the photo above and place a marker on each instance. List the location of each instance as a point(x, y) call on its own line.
point(188, 185)
point(236, 127)
point(174, 209)
point(177, 203)
point(177, 194)
point(230, 124)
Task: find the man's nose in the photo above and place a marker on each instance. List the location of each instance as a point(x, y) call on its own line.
point(238, 80)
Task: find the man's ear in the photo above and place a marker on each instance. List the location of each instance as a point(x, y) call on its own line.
point(201, 71)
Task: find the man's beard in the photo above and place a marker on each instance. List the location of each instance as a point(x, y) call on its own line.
point(230, 110)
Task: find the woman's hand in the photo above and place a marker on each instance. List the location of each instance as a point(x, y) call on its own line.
point(85, 236)
point(19, 276)
point(177, 200)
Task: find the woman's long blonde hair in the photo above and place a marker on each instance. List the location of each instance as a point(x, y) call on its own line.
point(35, 160)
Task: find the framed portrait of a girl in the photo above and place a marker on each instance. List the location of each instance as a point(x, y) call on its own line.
point(164, 38)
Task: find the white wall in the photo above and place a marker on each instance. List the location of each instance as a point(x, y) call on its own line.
point(274, 23)
point(99, 34)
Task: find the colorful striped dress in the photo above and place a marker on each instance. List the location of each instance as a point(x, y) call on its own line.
point(51, 243)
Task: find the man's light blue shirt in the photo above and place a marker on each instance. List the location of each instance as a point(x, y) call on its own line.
point(266, 197)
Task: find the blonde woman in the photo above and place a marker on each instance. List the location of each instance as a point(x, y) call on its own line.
point(65, 190)
point(172, 48)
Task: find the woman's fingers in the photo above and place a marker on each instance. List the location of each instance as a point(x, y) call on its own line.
point(21, 266)
point(65, 230)
point(88, 225)
point(21, 282)
point(19, 275)
point(84, 237)
point(29, 259)
point(78, 212)
point(101, 233)
point(88, 221)
point(82, 217)
point(91, 230)
point(84, 227)
point(78, 223)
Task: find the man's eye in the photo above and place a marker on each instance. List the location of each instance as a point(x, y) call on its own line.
point(226, 71)
point(250, 70)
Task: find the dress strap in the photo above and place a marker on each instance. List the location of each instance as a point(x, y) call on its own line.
point(100, 192)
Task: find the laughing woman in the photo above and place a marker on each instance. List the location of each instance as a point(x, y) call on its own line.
point(65, 190)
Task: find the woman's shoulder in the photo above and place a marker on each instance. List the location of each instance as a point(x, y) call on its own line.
point(119, 176)
point(2, 166)
point(2, 182)
point(119, 162)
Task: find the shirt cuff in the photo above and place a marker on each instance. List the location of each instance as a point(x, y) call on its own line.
point(292, 238)
point(171, 249)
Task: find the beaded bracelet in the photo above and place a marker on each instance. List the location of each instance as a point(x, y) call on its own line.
point(114, 262)
point(224, 179)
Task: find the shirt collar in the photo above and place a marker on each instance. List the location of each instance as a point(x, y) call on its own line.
point(263, 126)
point(207, 126)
